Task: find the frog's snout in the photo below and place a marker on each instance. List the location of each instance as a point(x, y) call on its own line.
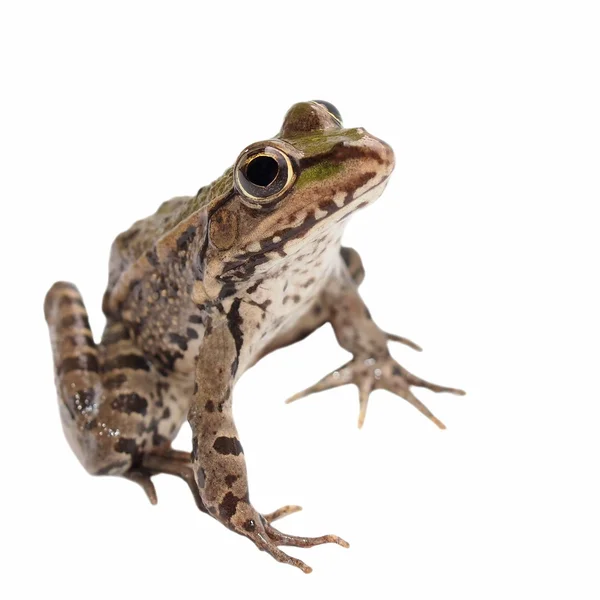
point(382, 149)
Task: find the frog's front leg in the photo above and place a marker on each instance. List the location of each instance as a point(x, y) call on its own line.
point(218, 457)
point(372, 366)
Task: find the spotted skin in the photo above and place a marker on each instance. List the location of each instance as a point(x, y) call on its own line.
point(204, 288)
point(115, 405)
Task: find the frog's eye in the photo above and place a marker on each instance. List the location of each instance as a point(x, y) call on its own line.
point(331, 109)
point(263, 175)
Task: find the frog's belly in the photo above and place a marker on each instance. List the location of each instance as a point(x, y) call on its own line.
point(286, 298)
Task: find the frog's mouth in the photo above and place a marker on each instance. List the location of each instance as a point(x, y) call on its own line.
point(316, 219)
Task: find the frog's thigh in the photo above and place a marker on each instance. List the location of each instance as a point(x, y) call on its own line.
point(114, 406)
point(354, 264)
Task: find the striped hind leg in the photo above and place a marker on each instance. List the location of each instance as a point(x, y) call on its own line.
point(118, 413)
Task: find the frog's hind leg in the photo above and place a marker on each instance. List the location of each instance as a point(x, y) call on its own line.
point(77, 362)
point(354, 264)
point(116, 409)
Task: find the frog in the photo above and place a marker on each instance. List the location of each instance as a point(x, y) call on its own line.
point(203, 289)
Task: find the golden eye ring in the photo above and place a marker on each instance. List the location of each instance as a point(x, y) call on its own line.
point(262, 175)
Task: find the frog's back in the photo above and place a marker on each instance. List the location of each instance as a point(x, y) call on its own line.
point(142, 236)
point(130, 245)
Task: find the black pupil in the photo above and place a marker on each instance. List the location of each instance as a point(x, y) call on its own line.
point(262, 170)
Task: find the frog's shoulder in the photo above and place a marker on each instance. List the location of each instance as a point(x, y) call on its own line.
point(155, 240)
point(143, 234)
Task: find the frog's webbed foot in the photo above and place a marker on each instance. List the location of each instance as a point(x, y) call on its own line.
point(171, 462)
point(369, 374)
point(268, 539)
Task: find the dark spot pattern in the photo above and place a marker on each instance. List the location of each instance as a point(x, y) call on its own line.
point(76, 320)
point(81, 340)
point(152, 257)
point(254, 286)
point(179, 340)
point(234, 322)
point(185, 239)
point(250, 525)
point(127, 446)
point(228, 289)
point(158, 439)
point(114, 335)
point(127, 361)
point(262, 305)
point(228, 506)
point(130, 403)
point(81, 362)
point(228, 445)
point(167, 361)
point(115, 382)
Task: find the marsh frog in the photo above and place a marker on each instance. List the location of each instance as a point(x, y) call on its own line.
point(205, 287)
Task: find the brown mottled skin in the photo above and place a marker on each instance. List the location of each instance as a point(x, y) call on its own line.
point(201, 290)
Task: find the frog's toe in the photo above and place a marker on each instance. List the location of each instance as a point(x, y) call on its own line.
point(341, 376)
point(171, 462)
point(268, 539)
point(396, 379)
point(356, 372)
point(284, 511)
point(283, 539)
point(370, 374)
point(280, 556)
point(418, 382)
point(392, 337)
point(144, 480)
point(401, 389)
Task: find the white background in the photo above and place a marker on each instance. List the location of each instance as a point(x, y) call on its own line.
point(484, 249)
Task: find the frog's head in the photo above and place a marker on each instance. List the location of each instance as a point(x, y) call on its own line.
point(289, 190)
